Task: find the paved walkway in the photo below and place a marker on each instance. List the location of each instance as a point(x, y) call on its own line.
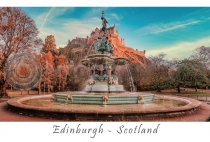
point(191, 117)
point(9, 116)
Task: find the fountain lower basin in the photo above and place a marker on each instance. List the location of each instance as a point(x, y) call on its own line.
point(104, 98)
point(161, 106)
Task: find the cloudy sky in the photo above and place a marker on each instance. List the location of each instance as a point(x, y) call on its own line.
point(174, 31)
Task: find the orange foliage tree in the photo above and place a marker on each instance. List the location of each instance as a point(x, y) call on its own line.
point(54, 67)
point(62, 71)
point(17, 31)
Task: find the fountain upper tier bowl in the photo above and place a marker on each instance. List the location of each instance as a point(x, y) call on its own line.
point(100, 59)
point(103, 78)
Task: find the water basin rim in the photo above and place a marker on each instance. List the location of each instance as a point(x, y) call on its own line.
point(173, 98)
point(17, 103)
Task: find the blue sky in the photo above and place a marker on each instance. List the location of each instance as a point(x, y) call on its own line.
point(174, 31)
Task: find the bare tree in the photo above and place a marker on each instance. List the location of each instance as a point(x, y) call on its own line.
point(202, 54)
point(159, 71)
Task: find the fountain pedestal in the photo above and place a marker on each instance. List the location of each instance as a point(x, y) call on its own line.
point(102, 87)
point(103, 78)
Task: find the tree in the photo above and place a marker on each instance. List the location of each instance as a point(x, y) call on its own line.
point(49, 73)
point(202, 55)
point(49, 45)
point(54, 67)
point(190, 73)
point(71, 81)
point(208, 76)
point(77, 77)
point(159, 72)
point(62, 71)
point(17, 31)
point(138, 74)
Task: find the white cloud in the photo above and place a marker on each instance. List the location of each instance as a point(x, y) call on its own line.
point(115, 16)
point(45, 18)
point(180, 50)
point(50, 16)
point(165, 27)
point(65, 29)
point(69, 29)
point(97, 11)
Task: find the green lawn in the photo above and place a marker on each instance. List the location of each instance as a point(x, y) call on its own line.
point(189, 92)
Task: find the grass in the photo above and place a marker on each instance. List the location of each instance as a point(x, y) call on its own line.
point(199, 94)
point(186, 92)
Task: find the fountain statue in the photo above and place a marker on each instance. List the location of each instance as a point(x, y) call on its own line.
point(102, 64)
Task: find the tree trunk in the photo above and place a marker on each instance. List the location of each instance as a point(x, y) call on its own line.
point(44, 87)
point(39, 91)
point(48, 88)
point(178, 89)
point(196, 89)
point(59, 85)
point(158, 89)
point(3, 88)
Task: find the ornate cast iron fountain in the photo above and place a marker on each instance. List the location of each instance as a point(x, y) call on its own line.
point(102, 64)
point(102, 86)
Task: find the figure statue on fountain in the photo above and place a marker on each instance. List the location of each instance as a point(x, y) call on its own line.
point(104, 23)
point(103, 45)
